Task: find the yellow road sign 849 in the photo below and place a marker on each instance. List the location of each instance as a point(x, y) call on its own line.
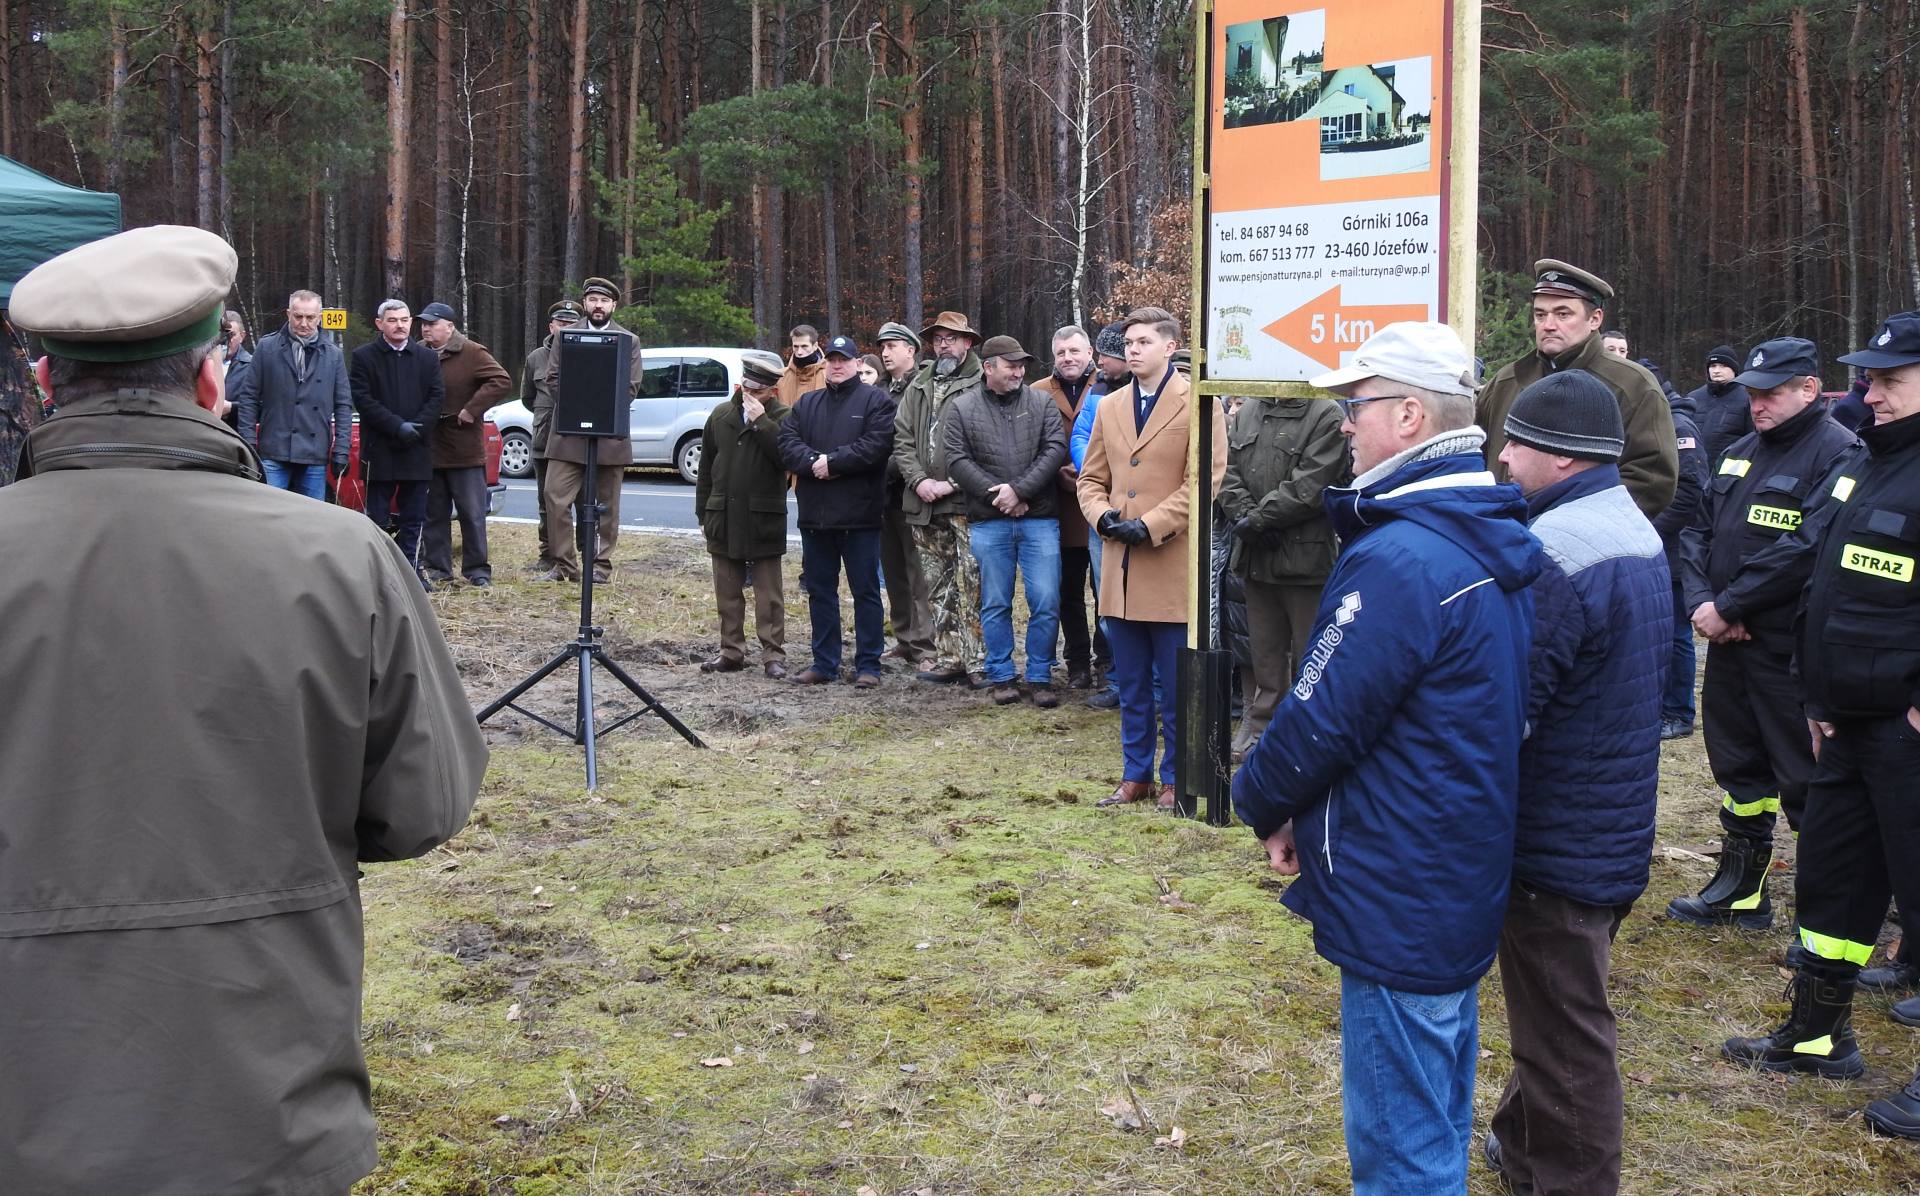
point(334, 318)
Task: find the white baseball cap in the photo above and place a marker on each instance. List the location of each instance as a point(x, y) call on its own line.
point(1418, 353)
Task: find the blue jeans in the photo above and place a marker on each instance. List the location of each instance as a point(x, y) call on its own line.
point(1407, 1063)
point(821, 556)
point(310, 480)
point(1145, 659)
point(1033, 547)
point(1677, 702)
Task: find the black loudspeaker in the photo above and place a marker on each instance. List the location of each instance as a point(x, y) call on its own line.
point(595, 383)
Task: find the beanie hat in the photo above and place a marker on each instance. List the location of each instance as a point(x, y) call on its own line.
point(1112, 341)
point(1725, 355)
point(1569, 414)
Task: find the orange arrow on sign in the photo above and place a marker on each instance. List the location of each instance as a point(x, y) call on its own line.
point(1322, 328)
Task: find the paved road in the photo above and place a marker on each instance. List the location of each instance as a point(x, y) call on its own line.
point(662, 503)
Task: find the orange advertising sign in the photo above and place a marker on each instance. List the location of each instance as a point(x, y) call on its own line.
point(1327, 179)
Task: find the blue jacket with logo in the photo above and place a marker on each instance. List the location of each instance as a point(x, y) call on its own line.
point(1602, 629)
point(1396, 753)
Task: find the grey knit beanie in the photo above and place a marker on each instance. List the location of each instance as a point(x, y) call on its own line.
point(1569, 414)
point(1112, 341)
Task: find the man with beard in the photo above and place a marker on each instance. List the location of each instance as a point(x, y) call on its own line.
point(567, 455)
point(1072, 385)
point(933, 503)
point(907, 605)
point(1568, 309)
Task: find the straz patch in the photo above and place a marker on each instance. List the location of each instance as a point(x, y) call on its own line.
point(1782, 518)
point(1876, 564)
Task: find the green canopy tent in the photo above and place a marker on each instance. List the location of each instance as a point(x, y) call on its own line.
point(41, 218)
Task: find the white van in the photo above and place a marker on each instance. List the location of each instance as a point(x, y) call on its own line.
point(679, 385)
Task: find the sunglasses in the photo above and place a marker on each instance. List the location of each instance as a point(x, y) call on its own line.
point(1347, 405)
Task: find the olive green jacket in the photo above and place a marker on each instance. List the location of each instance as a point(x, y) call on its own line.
point(217, 723)
point(741, 494)
point(919, 448)
point(536, 391)
point(1281, 453)
point(1650, 467)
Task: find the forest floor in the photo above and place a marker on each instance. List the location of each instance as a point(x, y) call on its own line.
point(883, 942)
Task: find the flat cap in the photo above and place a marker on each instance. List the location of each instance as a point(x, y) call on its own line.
point(1004, 346)
point(1551, 277)
point(892, 331)
point(600, 286)
point(1417, 352)
point(145, 293)
point(760, 370)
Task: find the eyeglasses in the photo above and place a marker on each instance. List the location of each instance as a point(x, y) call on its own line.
point(1347, 405)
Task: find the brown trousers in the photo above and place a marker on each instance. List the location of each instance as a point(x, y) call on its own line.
point(769, 607)
point(1561, 1118)
point(1279, 617)
point(907, 606)
point(564, 483)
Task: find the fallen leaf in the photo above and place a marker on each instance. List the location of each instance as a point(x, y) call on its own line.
point(1176, 1139)
point(843, 956)
point(503, 1119)
point(717, 1061)
point(1036, 1099)
point(1121, 1112)
point(845, 1125)
point(1681, 853)
point(910, 1068)
point(539, 889)
point(1640, 1077)
point(723, 928)
point(864, 1190)
point(679, 1033)
point(513, 1012)
point(805, 1048)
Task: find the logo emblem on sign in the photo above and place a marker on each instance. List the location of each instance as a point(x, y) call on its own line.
point(1234, 344)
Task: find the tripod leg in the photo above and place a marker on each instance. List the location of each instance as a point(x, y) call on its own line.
point(507, 699)
point(586, 718)
point(620, 675)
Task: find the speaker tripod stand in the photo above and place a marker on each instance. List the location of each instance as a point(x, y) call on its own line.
point(586, 651)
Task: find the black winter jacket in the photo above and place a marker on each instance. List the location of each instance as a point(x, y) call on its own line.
point(1690, 494)
point(304, 423)
point(1721, 413)
point(852, 423)
point(992, 439)
point(393, 387)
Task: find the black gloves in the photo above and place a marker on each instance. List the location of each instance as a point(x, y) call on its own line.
point(409, 433)
point(1127, 531)
point(339, 464)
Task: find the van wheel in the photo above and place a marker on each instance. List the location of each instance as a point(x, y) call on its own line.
point(516, 454)
point(686, 458)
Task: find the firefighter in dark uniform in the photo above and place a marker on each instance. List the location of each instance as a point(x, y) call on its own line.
point(1858, 658)
point(1742, 586)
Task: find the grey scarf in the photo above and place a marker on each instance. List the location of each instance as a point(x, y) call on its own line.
point(302, 353)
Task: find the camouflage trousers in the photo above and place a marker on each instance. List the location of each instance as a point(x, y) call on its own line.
point(953, 592)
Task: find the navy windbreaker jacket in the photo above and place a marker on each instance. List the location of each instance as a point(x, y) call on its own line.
point(1396, 753)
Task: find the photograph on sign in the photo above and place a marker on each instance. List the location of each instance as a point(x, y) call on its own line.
point(1327, 178)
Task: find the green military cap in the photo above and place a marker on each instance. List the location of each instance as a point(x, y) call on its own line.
point(760, 370)
point(145, 293)
point(1551, 277)
point(566, 312)
point(600, 286)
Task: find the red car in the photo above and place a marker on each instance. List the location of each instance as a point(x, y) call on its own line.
point(352, 491)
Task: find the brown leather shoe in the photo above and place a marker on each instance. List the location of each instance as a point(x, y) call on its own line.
point(1006, 693)
point(950, 676)
point(867, 681)
point(1044, 697)
point(812, 676)
point(1128, 793)
point(722, 664)
point(1169, 799)
point(776, 670)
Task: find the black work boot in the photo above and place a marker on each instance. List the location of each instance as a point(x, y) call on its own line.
point(1898, 975)
point(1817, 1036)
point(1737, 894)
point(1796, 955)
point(1898, 1115)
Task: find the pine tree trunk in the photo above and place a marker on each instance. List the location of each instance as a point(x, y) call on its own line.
point(207, 138)
point(226, 121)
point(762, 308)
point(777, 196)
point(576, 149)
point(533, 176)
point(1003, 198)
point(1811, 227)
point(446, 278)
point(633, 122)
point(976, 180)
point(910, 249)
point(116, 99)
point(399, 82)
point(1061, 217)
point(1083, 195)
